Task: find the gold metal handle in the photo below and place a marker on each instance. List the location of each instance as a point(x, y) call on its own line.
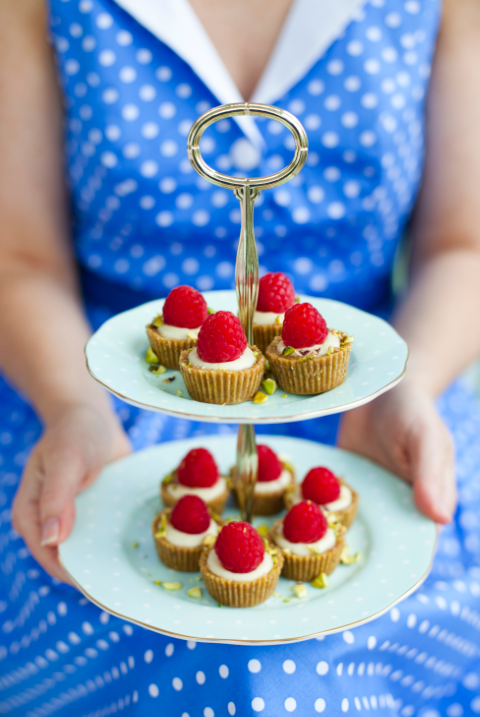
point(246, 268)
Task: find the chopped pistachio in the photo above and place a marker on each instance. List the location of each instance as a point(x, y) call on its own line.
point(300, 591)
point(278, 320)
point(347, 559)
point(171, 585)
point(314, 550)
point(211, 311)
point(160, 533)
point(348, 340)
point(179, 391)
point(267, 365)
point(263, 529)
point(288, 350)
point(192, 335)
point(269, 386)
point(135, 544)
point(297, 299)
point(329, 350)
point(288, 467)
point(195, 592)
point(150, 356)
point(156, 370)
point(209, 539)
point(157, 582)
point(284, 395)
point(199, 577)
point(168, 479)
point(260, 397)
point(157, 321)
point(169, 379)
point(256, 353)
point(321, 581)
point(286, 600)
point(332, 520)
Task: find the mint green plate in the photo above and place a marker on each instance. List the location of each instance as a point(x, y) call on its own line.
point(115, 358)
point(112, 558)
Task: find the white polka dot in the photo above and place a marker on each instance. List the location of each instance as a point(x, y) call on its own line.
point(75, 29)
point(148, 656)
point(290, 704)
point(163, 74)
point(167, 185)
point(121, 266)
point(367, 139)
point(345, 705)
point(131, 150)
point(374, 34)
point(153, 690)
point(393, 19)
point(455, 710)
point(315, 87)
point(164, 219)
point(388, 86)
point(258, 704)
point(371, 642)
point(332, 174)
point(71, 67)
point(124, 38)
point(148, 168)
point(127, 74)
point(312, 122)
point(85, 112)
point(220, 198)
point(332, 102)
point(183, 90)
point(244, 155)
point(355, 48)
point(349, 637)
point(296, 107)
point(107, 58)
point(335, 67)
point(112, 132)
point(85, 6)
point(80, 89)
point(150, 130)
point(200, 218)
point(177, 684)
point(224, 671)
point(289, 667)
point(147, 93)
point(412, 6)
point(301, 215)
point(104, 21)
point(316, 194)
point(352, 83)
point(231, 708)
point(184, 200)
point(395, 614)
point(167, 110)
point(144, 56)
point(130, 112)
point(372, 66)
point(110, 95)
point(336, 210)
point(330, 139)
point(282, 197)
point(89, 43)
point(200, 677)
point(154, 265)
point(349, 156)
point(369, 101)
point(168, 148)
point(320, 705)
point(303, 265)
point(253, 665)
point(389, 54)
point(208, 712)
point(351, 189)
point(273, 127)
point(108, 159)
point(93, 79)
point(191, 644)
point(349, 119)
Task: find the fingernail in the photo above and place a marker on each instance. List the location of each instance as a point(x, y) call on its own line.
point(50, 531)
point(443, 512)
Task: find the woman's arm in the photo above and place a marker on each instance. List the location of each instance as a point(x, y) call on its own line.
point(42, 327)
point(440, 315)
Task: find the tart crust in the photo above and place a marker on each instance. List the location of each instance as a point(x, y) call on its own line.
point(312, 375)
point(178, 557)
point(167, 351)
point(345, 516)
point(217, 505)
point(222, 387)
point(240, 594)
point(263, 335)
point(307, 568)
point(266, 503)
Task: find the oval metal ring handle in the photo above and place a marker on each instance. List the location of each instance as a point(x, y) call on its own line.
point(257, 110)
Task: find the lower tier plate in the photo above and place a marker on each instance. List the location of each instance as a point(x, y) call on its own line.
point(112, 558)
point(116, 359)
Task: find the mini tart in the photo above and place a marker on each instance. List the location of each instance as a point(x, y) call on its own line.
point(345, 516)
point(241, 594)
point(178, 557)
point(264, 335)
point(216, 505)
point(307, 568)
point(167, 351)
point(310, 374)
point(222, 387)
point(267, 503)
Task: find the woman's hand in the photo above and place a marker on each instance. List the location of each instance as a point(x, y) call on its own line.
point(402, 431)
point(74, 448)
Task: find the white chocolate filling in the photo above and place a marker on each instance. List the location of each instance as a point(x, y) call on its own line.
point(246, 360)
point(177, 332)
point(217, 568)
point(177, 490)
point(332, 341)
point(272, 486)
point(306, 549)
point(189, 540)
point(343, 501)
point(267, 318)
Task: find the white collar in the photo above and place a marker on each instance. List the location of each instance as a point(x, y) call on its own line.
point(310, 28)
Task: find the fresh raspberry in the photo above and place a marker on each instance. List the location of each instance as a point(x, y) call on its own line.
point(269, 467)
point(239, 547)
point(190, 515)
point(321, 486)
point(303, 326)
point(221, 338)
point(185, 307)
point(304, 523)
point(198, 469)
point(275, 293)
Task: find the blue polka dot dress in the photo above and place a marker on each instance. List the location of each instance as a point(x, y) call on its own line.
point(144, 222)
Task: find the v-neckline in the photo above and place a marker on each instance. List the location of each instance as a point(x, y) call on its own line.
point(310, 27)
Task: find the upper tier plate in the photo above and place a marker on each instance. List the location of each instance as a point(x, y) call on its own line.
point(115, 358)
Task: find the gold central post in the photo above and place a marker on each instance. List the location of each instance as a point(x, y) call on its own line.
point(247, 469)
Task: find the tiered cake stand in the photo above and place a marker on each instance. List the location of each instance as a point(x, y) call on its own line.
point(110, 553)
